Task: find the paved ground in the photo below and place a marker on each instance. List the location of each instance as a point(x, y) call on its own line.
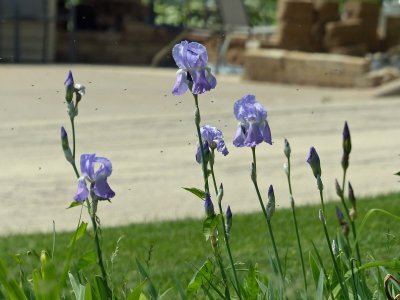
point(130, 116)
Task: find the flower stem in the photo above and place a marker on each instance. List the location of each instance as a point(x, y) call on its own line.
point(92, 214)
point(226, 239)
point(295, 226)
point(203, 161)
point(352, 224)
point(271, 234)
point(338, 274)
point(321, 196)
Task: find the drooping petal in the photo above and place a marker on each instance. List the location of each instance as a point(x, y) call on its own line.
point(254, 135)
point(102, 189)
point(82, 192)
point(201, 83)
point(267, 133)
point(221, 147)
point(240, 136)
point(87, 165)
point(181, 84)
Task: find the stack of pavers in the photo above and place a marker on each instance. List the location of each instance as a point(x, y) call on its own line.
point(357, 33)
point(325, 12)
point(295, 21)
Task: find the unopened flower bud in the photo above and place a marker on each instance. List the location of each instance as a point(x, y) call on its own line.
point(335, 248)
point(228, 220)
point(339, 215)
point(69, 87)
point(65, 146)
point(314, 162)
point(353, 213)
point(319, 183)
point(322, 216)
point(271, 202)
point(287, 149)
point(352, 198)
point(339, 191)
point(253, 174)
point(209, 206)
point(286, 168)
point(346, 139)
point(220, 193)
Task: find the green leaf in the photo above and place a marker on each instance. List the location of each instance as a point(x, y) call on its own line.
point(398, 173)
point(197, 192)
point(200, 277)
point(86, 260)
point(210, 224)
point(79, 289)
point(319, 294)
point(146, 276)
point(314, 268)
point(99, 288)
point(88, 292)
point(74, 204)
point(11, 288)
point(80, 231)
point(137, 292)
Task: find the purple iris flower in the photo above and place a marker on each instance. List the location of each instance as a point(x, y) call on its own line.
point(212, 138)
point(69, 81)
point(192, 59)
point(97, 179)
point(253, 127)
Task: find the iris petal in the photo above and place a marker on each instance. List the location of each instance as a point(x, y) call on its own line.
point(102, 189)
point(82, 192)
point(181, 84)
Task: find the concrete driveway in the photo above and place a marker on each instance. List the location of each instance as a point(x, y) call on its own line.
point(130, 117)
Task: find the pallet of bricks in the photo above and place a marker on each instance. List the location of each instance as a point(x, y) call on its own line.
point(357, 32)
point(295, 19)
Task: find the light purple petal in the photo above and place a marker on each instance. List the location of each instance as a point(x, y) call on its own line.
point(239, 106)
point(254, 135)
point(181, 83)
point(196, 56)
point(240, 137)
point(82, 192)
point(267, 134)
point(102, 189)
point(178, 53)
point(201, 83)
point(105, 168)
point(87, 165)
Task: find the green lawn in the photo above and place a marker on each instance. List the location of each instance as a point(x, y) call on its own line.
point(177, 247)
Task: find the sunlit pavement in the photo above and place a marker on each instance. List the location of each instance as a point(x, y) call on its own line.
point(129, 116)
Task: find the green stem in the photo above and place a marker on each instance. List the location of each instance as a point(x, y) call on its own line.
point(228, 248)
point(223, 274)
point(203, 161)
point(296, 227)
point(352, 224)
point(92, 215)
point(340, 279)
point(98, 247)
point(271, 234)
point(321, 196)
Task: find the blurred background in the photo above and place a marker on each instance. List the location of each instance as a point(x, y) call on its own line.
point(142, 32)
